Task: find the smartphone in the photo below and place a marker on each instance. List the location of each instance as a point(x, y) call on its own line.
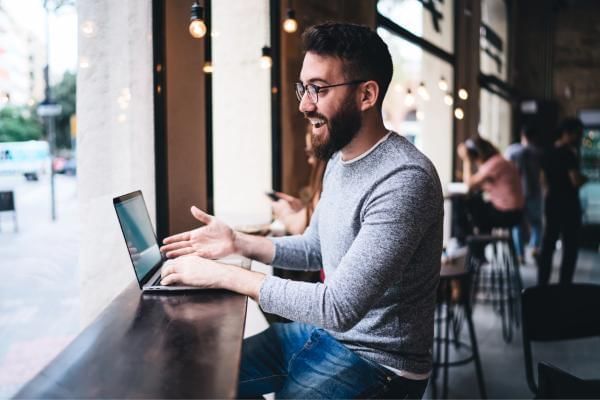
point(272, 195)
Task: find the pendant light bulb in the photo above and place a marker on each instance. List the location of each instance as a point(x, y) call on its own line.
point(197, 26)
point(265, 59)
point(290, 25)
point(459, 113)
point(448, 99)
point(409, 100)
point(442, 84)
point(208, 68)
point(422, 91)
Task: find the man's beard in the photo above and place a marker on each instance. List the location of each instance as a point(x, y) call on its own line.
point(342, 128)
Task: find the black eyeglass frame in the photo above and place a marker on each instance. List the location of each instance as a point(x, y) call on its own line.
point(302, 89)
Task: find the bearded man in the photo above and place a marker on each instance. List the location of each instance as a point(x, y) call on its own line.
point(367, 331)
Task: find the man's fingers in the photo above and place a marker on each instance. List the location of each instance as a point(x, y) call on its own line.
point(181, 252)
point(180, 237)
point(175, 246)
point(171, 279)
point(201, 215)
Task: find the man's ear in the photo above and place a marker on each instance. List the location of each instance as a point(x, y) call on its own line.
point(369, 95)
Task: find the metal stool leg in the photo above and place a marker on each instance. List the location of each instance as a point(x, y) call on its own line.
point(505, 293)
point(475, 348)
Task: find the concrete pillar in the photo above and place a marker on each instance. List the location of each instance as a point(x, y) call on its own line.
point(115, 138)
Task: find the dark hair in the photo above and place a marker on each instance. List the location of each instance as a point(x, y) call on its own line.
point(364, 54)
point(479, 148)
point(570, 125)
point(530, 133)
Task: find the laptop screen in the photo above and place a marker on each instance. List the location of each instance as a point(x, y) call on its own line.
point(138, 232)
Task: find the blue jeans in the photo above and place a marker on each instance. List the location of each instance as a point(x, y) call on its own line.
point(532, 214)
point(297, 360)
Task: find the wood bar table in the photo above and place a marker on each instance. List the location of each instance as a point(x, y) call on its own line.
point(152, 346)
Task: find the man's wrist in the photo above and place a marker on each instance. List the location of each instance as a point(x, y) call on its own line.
point(238, 243)
point(243, 281)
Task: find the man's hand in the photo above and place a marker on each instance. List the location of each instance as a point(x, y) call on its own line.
point(195, 271)
point(191, 270)
point(213, 240)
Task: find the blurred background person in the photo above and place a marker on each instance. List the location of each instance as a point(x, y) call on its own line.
point(485, 170)
point(562, 207)
point(526, 156)
point(294, 212)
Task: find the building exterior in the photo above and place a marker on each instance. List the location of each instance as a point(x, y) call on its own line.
point(22, 60)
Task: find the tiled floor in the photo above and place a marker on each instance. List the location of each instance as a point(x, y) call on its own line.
point(503, 364)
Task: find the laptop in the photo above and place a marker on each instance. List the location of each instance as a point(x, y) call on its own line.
point(146, 258)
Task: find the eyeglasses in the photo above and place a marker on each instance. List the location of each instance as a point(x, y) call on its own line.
point(313, 90)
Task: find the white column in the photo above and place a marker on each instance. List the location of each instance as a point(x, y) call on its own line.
point(241, 112)
point(115, 138)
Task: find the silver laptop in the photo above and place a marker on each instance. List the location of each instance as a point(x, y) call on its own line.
point(141, 243)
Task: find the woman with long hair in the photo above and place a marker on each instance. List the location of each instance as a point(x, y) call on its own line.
point(490, 176)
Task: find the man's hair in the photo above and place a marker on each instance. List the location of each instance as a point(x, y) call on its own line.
point(571, 125)
point(530, 133)
point(363, 53)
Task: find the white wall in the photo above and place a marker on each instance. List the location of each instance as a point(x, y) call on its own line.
point(115, 138)
point(241, 112)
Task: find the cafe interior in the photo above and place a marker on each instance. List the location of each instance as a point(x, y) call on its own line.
point(194, 103)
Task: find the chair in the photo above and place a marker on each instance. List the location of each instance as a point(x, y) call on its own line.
point(554, 383)
point(558, 312)
point(498, 281)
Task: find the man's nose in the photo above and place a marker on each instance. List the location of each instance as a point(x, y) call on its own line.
point(306, 104)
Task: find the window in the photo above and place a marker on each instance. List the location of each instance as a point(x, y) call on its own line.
point(494, 39)
point(431, 20)
point(495, 119)
point(496, 111)
point(419, 101)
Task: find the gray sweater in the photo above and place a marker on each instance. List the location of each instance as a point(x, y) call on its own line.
point(377, 232)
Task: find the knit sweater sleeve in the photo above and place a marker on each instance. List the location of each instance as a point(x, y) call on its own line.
point(299, 252)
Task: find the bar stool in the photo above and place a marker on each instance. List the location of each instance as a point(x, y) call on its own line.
point(499, 280)
point(454, 300)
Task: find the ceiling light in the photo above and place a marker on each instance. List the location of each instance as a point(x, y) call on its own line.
point(265, 59)
point(442, 84)
point(290, 25)
point(459, 113)
point(197, 26)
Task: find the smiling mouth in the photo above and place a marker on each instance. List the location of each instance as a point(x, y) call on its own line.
point(316, 122)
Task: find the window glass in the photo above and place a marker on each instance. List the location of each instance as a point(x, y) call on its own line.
point(39, 238)
point(494, 38)
point(432, 20)
point(495, 117)
point(415, 106)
